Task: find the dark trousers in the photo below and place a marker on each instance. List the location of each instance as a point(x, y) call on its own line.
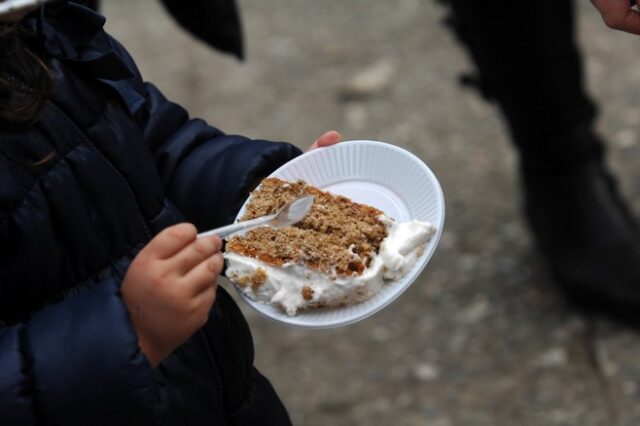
point(528, 62)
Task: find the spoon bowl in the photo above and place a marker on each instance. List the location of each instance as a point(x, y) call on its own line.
point(289, 214)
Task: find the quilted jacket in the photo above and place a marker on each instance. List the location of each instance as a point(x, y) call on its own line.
point(109, 163)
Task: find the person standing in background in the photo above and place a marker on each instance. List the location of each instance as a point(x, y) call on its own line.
point(529, 65)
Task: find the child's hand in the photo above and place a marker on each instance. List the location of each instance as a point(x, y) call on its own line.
point(329, 138)
point(617, 14)
point(170, 288)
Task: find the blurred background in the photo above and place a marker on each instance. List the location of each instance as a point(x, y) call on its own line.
point(482, 337)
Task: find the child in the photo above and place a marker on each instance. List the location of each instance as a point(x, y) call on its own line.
point(109, 311)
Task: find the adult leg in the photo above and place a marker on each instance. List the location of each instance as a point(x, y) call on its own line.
point(529, 64)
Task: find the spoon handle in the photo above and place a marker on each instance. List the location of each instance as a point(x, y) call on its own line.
point(227, 230)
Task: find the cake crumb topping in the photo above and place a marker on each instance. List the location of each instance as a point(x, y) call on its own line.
point(338, 236)
point(258, 278)
point(307, 293)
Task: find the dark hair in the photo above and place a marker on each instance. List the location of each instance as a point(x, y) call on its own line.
point(24, 77)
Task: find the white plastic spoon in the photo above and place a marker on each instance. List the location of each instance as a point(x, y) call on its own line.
point(290, 214)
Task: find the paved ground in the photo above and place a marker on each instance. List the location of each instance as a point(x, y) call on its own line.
point(482, 338)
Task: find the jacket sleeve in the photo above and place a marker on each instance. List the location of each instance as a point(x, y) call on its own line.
point(76, 362)
point(206, 173)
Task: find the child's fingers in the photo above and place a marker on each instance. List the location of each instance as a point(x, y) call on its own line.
point(171, 241)
point(202, 276)
point(206, 297)
point(194, 253)
point(204, 302)
point(329, 138)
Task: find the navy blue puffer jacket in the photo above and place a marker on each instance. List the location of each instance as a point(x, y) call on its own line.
point(123, 163)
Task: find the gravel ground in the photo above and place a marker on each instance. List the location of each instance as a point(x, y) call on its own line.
point(482, 337)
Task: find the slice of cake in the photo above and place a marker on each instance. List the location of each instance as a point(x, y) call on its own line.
point(340, 253)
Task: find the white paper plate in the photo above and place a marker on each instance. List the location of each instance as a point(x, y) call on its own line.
point(381, 175)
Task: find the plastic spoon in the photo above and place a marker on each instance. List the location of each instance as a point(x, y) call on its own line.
point(290, 214)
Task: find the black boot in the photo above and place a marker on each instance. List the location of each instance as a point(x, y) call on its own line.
point(586, 234)
point(529, 65)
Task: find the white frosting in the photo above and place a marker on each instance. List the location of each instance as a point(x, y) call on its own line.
point(284, 286)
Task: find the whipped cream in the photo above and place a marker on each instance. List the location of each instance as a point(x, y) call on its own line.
point(294, 286)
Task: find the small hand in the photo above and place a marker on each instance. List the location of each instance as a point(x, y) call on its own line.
point(329, 138)
point(617, 14)
point(170, 288)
